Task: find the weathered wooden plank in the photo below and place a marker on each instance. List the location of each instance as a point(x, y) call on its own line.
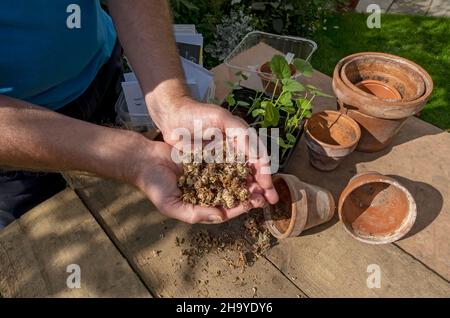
point(331, 263)
point(342, 261)
point(147, 239)
point(328, 263)
point(418, 158)
point(36, 250)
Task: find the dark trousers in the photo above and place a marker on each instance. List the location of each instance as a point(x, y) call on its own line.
point(22, 190)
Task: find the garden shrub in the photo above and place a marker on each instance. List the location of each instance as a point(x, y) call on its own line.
point(224, 23)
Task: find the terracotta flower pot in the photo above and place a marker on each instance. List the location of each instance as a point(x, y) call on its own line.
point(268, 80)
point(408, 78)
point(330, 137)
point(387, 70)
point(379, 89)
point(376, 133)
point(301, 206)
point(376, 209)
point(368, 84)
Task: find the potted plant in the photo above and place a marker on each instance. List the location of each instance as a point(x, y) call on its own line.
point(286, 109)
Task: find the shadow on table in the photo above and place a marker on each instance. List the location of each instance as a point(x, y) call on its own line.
point(139, 230)
point(130, 220)
point(37, 248)
point(428, 199)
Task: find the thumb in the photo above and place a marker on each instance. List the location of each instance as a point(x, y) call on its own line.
point(193, 214)
point(208, 215)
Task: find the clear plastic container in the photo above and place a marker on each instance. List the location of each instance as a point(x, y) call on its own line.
point(257, 48)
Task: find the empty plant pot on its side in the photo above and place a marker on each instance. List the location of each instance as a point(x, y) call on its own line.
point(376, 133)
point(330, 137)
point(301, 206)
point(268, 80)
point(376, 209)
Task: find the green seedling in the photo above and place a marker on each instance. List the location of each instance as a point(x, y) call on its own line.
point(286, 111)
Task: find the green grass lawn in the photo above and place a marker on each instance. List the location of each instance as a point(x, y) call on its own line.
point(424, 40)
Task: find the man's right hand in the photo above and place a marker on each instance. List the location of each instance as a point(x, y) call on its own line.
point(156, 175)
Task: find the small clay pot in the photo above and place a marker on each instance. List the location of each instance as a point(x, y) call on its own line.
point(376, 209)
point(301, 207)
point(268, 80)
point(412, 82)
point(379, 89)
point(330, 137)
point(376, 133)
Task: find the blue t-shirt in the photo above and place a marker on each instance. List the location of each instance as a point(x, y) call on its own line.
point(51, 50)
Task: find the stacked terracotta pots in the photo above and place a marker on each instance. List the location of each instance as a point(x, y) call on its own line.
point(380, 91)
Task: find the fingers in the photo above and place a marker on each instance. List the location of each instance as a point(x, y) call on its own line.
point(264, 180)
point(262, 166)
point(237, 210)
point(232, 121)
point(203, 214)
point(256, 200)
point(193, 214)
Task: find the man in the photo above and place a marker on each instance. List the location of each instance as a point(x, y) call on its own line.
point(59, 63)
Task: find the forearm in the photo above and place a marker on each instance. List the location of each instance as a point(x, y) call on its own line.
point(35, 138)
point(146, 34)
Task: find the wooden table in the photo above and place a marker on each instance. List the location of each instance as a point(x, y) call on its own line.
point(124, 247)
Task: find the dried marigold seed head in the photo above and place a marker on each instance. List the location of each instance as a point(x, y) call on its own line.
point(214, 184)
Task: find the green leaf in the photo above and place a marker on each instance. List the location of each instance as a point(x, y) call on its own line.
point(283, 144)
point(286, 99)
point(320, 93)
point(233, 86)
point(293, 121)
point(291, 138)
point(280, 67)
point(241, 75)
point(303, 104)
point(242, 103)
point(255, 105)
point(291, 85)
point(230, 100)
point(189, 5)
point(303, 67)
point(316, 91)
point(269, 113)
point(272, 115)
point(264, 103)
point(258, 112)
point(289, 110)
